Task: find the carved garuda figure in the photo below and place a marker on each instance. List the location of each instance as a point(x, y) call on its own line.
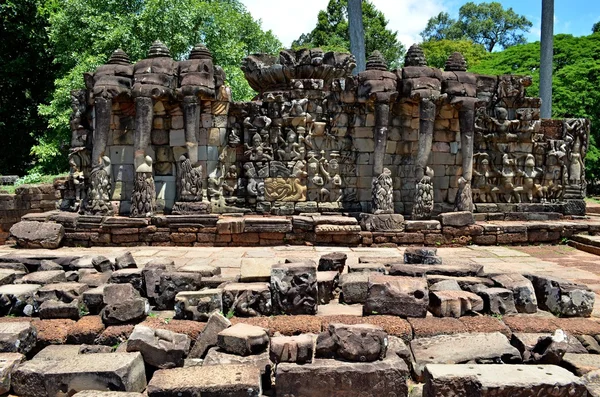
point(98, 199)
point(189, 180)
point(423, 205)
point(143, 199)
point(383, 193)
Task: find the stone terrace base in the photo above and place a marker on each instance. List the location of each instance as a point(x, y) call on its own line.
point(251, 230)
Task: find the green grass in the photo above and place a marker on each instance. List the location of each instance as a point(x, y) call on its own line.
point(31, 179)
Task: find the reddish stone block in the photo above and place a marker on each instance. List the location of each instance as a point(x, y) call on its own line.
point(125, 238)
point(183, 237)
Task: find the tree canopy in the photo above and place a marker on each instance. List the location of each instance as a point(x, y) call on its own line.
point(488, 24)
point(438, 51)
point(596, 27)
point(84, 33)
point(331, 32)
point(576, 74)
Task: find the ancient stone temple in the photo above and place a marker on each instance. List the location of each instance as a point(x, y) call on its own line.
point(164, 137)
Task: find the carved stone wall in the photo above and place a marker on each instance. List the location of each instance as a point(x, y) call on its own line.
point(318, 139)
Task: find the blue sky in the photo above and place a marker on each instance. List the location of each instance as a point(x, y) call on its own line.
point(288, 19)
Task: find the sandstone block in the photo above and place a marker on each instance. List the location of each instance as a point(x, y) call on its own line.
point(247, 299)
point(498, 301)
point(294, 288)
point(522, 289)
point(562, 297)
point(243, 339)
point(159, 347)
point(333, 261)
point(327, 284)
point(17, 337)
point(400, 296)
point(457, 219)
point(8, 363)
point(209, 335)
point(32, 234)
point(358, 343)
point(454, 303)
point(198, 305)
point(172, 283)
point(292, 349)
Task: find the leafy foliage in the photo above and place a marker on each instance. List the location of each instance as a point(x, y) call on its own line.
point(85, 32)
point(596, 27)
point(438, 51)
point(331, 32)
point(26, 76)
point(488, 24)
point(576, 76)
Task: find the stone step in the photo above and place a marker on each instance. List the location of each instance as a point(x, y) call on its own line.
point(443, 380)
point(585, 239)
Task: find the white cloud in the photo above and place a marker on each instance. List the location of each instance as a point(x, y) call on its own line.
point(289, 19)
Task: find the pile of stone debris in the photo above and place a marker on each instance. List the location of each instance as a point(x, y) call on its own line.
point(385, 326)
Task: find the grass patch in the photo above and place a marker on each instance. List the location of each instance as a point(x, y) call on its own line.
point(31, 179)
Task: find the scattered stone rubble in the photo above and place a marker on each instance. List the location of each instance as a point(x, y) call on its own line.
point(420, 320)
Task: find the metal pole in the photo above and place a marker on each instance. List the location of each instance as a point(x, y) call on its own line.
point(357, 34)
point(546, 57)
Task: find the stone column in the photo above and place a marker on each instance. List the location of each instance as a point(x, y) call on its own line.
point(547, 55)
point(191, 114)
point(357, 34)
point(103, 109)
point(466, 119)
point(427, 111)
point(382, 116)
point(144, 113)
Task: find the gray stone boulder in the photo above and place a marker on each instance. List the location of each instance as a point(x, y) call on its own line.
point(159, 347)
point(292, 349)
point(49, 265)
point(334, 261)
point(398, 296)
point(563, 298)
point(522, 289)
point(56, 309)
point(498, 301)
point(209, 335)
point(294, 288)
point(171, 283)
point(243, 339)
point(125, 261)
point(17, 337)
point(123, 304)
point(18, 299)
point(198, 305)
point(33, 234)
point(102, 264)
point(8, 363)
point(358, 343)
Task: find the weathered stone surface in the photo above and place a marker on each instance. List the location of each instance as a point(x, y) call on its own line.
point(104, 371)
point(98, 393)
point(522, 288)
point(198, 305)
point(209, 335)
point(151, 274)
point(18, 299)
point(210, 380)
point(171, 284)
point(325, 377)
point(94, 299)
point(131, 276)
point(382, 222)
point(159, 347)
point(358, 343)
point(42, 278)
point(125, 261)
point(256, 269)
point(444, 285)
point(563, 298)
point(8, 363)
point(123, 304)
point(203, 269)
point(591, 345)
point(366, 267)
point(92, 277)
point(400, 296)
point(32, 234)
point(457, 219)
point(247, 299)
point(420, 256)
point(327, 283)
point(64, 292)
point(56, 309)
point(447, 269)
point(243, 339)
point(332, 261)
point(355, 287)
point(463, 348)
point(581, 364)
point(292, 349)
point(500, 380)
point(454, 303)
point(17, 337)
point(102, 264)
point(46, 265)
point(545, 348)
point(498, 301)
point(294, 288)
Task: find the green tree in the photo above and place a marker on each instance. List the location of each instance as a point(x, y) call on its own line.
point(85, 32)
point(488, 24)
point(596, 27)
point(331, 32)
point(576, 75)
point(438, 51)
point(26, 76)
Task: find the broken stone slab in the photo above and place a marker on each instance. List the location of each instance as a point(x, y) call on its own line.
point(159, 347)
point(18, 299)
point(129, 311)
point(462, 348)
point(591, 380)
point(9, 276)
point(334, 261)
point(209, 335)
point(382, 222)
point(421, 256)
point(355, 287)
point(294, 288)
point(32, 234)
point(125, 261)
point(545, 348)
point(447, 269)
point(151, 274)
point(366, 267)
point(131, 276)
point(267, 225)
point(17, 337)
point(399, 296)
point(419, 226)
point(198, 305)
point(102, 371)
point(247, 299)
point(46, 265)
point(98, 393)
point(57, 352)
point(209, 380)
point(443, 380)
point(203, 269)
point(216, 356)
point(51, 309)
point(64, 292)
point(94, 349)
point(172, 283)
point(243, 339)
point(254, 270)
point(326, 377)
point(43, 278)
point(102, 264)
point(589, 342)
point(297, 349)
point(454, 303)
point(358, 343)
point(563, 298)
point(498, 301)
point(522, 289)
point(456, 219)
point(93, 299)
point(118, 293)
point(581, 364)
point(220, 280)
point(8, 363)
point(463, 282)
point(327, 284)
point(92, 277)
point(444, 285)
